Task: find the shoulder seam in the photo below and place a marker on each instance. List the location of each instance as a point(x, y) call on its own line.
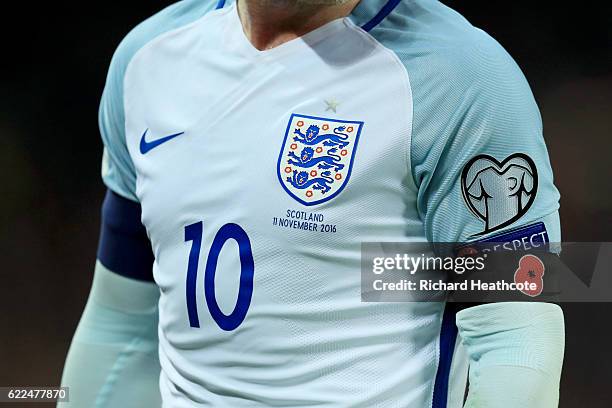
point(408, 88)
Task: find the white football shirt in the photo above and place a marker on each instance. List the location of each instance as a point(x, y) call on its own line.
point(260, 173)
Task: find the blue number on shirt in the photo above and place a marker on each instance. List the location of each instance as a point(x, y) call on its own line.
point(194, 233)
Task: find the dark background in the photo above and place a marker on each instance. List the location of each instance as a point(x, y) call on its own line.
point(54, 62)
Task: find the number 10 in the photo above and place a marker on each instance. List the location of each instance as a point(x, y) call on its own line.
point(194, 234)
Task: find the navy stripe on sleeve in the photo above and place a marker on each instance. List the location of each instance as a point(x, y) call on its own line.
point(448, 336)
point(124, 247)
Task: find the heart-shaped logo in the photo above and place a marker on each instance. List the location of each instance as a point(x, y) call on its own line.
point(499, 193)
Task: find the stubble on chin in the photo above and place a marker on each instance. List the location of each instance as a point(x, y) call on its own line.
point(305, 3)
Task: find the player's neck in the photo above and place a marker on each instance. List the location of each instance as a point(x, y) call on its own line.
point(268, 24)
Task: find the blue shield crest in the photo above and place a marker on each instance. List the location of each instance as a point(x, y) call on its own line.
point(317, 156)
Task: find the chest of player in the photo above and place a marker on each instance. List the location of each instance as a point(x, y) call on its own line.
point(314, 140)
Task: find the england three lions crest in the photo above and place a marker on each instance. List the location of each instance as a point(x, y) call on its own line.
point(316, 157)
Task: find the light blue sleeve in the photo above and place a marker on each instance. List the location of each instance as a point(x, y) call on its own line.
point(481, 167)
point(118, 171)
point(470, 102)
point(478, 153)
point(112, 361)
point(516, 354)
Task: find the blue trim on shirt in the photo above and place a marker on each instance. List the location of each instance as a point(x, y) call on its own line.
point(448, 336)
point(124, 247)
point(220, 4)
point(381, 15)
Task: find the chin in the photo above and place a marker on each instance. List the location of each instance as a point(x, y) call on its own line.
point(307, 2)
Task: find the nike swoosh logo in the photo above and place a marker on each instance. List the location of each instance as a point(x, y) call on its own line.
point(146, 147)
